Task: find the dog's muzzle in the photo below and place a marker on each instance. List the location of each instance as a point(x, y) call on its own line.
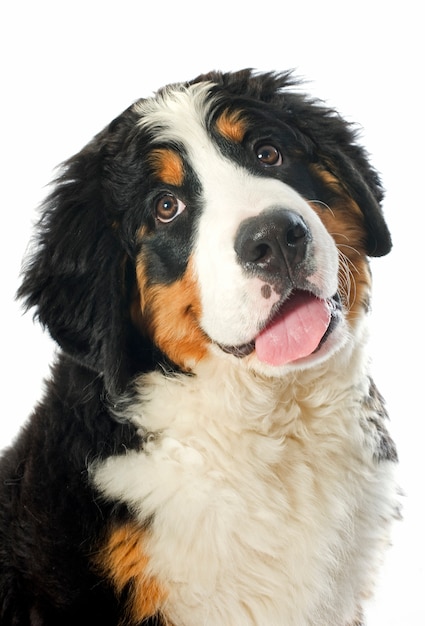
point(276, 247)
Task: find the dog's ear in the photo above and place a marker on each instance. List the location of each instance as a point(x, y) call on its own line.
point(80, 276)
point(351, 167)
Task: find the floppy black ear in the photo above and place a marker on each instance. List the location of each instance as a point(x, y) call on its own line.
point(80, 275)
point(351, 167)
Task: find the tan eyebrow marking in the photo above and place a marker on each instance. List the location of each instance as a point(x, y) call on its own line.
point(232, 125)
point(168, 166)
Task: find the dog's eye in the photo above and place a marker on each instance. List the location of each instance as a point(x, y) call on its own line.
point(167, 207)
point(268, 155)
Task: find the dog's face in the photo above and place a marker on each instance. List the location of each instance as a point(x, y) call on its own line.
point(232, 254)
point(230, 219)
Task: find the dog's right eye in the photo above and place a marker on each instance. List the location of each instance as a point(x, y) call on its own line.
point(268, 155)
point(167, 207)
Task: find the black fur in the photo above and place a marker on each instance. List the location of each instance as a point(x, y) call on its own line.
point(50, 521)
point(80, 281)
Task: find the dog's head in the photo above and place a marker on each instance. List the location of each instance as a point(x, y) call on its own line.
point(229, 217)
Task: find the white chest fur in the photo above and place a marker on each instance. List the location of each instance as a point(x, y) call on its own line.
point(266, 503)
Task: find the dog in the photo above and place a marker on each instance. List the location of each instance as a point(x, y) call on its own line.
point(210, 448)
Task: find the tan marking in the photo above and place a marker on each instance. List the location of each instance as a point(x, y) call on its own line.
point(169, 315)
point(344, 220)
point(142, 232)
point(326, 177)
point(168, 166)
point(123, 560)
point(231, 125)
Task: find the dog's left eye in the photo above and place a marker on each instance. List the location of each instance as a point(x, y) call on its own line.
point(167, 207)
point(268, 155)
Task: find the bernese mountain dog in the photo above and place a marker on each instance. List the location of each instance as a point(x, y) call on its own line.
point(211, 448)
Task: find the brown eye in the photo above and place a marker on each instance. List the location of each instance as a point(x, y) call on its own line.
point(268, 155)
point(167, 207)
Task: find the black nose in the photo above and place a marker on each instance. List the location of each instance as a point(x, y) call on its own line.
point(274, 241)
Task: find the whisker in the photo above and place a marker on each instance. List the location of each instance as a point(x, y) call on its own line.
point(322, 204)
point(345, 245)
point(348, 282)
point(348, 262)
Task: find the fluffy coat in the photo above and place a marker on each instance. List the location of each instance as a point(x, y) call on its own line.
point(172, 474)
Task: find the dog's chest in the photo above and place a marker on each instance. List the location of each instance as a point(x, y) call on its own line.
point(238, 516)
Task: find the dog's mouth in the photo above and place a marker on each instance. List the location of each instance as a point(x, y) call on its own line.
point(297, 329)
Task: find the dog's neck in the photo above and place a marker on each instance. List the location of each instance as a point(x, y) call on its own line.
point(230, 395)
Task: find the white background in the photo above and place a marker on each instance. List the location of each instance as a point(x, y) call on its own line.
point(68, 68)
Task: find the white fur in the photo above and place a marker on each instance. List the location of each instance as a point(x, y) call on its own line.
point(267, 505)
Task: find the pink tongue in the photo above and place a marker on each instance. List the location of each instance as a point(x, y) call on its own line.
point(295, 332)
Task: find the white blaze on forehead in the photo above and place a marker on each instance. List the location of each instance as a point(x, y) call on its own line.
point(177, 112)
point(232, 304)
